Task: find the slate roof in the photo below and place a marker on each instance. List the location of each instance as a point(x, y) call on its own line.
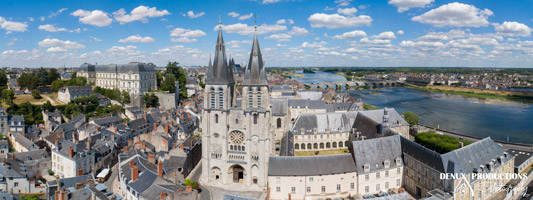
point(134, 67)
point(477, 154)
point(70, 182)
point(303, 103)
point(107, 120)
point(310, 95)
point(375, 151)
point(519, 156)
point(334, 122)
point(81, 90)
point(394, 117)
point(310, 165)
point(279, 107)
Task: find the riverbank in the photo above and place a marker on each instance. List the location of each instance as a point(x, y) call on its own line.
point(478, 93)
point(296, 75)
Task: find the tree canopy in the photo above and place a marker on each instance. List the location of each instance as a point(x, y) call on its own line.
point(180, 75)
point(411, 118)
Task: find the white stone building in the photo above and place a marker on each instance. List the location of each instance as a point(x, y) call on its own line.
point(68, 93)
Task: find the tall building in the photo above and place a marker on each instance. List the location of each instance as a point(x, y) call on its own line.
point(236, 138)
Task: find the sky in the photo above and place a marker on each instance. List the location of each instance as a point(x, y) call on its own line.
point(374, 33)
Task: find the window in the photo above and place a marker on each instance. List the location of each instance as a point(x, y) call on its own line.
point(258, 99)
point(338, 187)
point(216, 118)
point(352, 186)
point(386, 163)
point(386, 185)
point(278, 189)
point(220, 98)
point(16, 184)
point(250, 99)
point(212, 98)
point(377, 187)
point(308, 189)
point(367, 176)
point(311, 179)
point(377, 175)
point(398, 172)
point(367, 189)
point(278, 180)
point(293, 189)
point(255, 118)
point(278, 123)
point(367, 166)
point(387, 173)
point(398, 182)
point(323, 189)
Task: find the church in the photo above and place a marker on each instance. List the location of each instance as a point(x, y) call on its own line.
point(236, 135)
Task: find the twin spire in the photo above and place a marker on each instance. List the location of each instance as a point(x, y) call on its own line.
point(221, 71)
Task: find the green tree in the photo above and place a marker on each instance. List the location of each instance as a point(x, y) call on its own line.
point(180, 75)
point(126, 97)
point(159, 78)
point(150, 100)
point(411, 118)
point(53, 75)
point(3, 78)
point(8, 96)
point(48, 106)
point(36, 94)
point(28, 81)
point(169, 84)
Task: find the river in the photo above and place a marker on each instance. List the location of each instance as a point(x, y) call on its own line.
point(498, 119)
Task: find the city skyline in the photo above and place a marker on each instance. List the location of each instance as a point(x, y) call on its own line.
point(292, 33)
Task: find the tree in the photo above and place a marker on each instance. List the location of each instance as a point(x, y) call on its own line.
point(3, 78)
point(36, 94)
point(150, 100)
point(8, 96)
point(159, 78)
point(169, 84)
point(126, 97)
point(180, 75)
point(28, 81)
point(53, 75)
point(411, 118)
point(48, 106)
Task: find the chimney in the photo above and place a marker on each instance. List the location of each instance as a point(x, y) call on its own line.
point(79, 185)
point(126, 122)
point(89, 143)
point(80, 171)
point(163, 195)
point(70, 152)
point(155, 127)
point(13, 156)
point(151, 158)
point(116, 130)
point(134, 173)
point(181, 146)
point(461, 144)
point(166, 129)
point(289, 196)
point(132, 163)
point(125, 149)
point(160, 168)
point(130, 142)
point(135, 116)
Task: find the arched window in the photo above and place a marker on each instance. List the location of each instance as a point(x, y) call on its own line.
point(250, 98)
point(258, 97)
point(212, 98)
point(220, 98)
point(296, 146)
point(278, 123)
point(255, 118)
point(216, 118)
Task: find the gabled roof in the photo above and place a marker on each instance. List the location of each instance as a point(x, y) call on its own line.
point(310, 165)
point(375, 151)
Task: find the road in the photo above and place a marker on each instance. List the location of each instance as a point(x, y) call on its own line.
point(112, 182)
point(205, 194)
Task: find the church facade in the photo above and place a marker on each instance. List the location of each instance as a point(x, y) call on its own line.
point(236, 136)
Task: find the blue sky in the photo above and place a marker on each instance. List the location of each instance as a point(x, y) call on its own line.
point(482, 33)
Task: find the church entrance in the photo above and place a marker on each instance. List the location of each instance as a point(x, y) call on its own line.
point(238, 174)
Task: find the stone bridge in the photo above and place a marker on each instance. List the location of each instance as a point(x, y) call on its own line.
point(354, 83)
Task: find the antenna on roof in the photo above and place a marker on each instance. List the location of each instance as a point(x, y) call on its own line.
point(255, 22)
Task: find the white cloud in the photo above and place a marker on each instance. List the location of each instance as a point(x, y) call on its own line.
point(232, 42)
point(299, 31)
point(244, 17)
point(130, 49)
point(137, 38)
point(56, 49)
point(280, 45)
point(347, 11)
point(13, 52)
point(41, 18)
point(11, 26)
point(31, 19)
point(281, 21)
point(95, 39)
point(513, 29)
point(349, 35)
point(331, 21)
point(399, 32)
point(233, 14)
point(140, 13)
point(455, 15)
point(290, 21)
point(441, 36)
point(191, 14)
point(404, 5)
point(283, 37)
point(244, 29)
point(314, 44)
point(184, 35)
point(183, 39)
point(51, 28)
point(60, 43)
point(95, 17)
point(270, 1)
point(343, 2)
point(386, 35)
point(57, 13)
point(421, 44)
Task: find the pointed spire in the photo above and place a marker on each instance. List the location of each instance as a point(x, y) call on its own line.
point(221, 72)
point(255, 74)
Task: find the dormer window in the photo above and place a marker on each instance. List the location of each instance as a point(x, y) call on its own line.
point(398, 161)
point(386, 163)
point(366, 167)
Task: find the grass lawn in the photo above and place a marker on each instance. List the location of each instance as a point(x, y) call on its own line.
point(322, 152)
point(369, 107)
point(28, 98)
point(439, 143)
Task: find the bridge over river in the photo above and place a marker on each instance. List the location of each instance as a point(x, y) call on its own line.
point(354, 83)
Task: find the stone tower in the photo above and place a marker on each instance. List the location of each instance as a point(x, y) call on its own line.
point(236, 138)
